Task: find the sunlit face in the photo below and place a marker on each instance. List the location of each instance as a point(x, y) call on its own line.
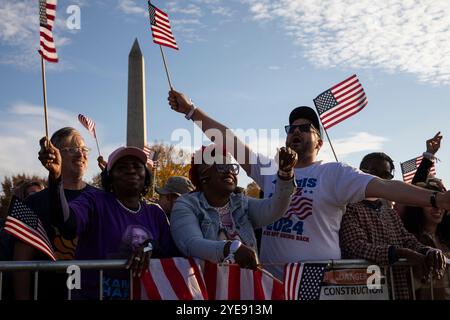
point(221, 178)
point(74, 159)
point(304, 143)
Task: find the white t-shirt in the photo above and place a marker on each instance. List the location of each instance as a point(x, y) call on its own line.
point(309, 230)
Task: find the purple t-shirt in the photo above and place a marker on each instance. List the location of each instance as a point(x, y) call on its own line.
point(107, 230)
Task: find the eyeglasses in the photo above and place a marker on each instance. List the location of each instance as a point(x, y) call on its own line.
point(225, 168)
point(75, 150)
point(383, 175)
point(301, 127)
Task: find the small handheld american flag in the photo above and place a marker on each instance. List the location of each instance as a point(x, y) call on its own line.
point(47, 13)
point(88, 124)
point(24, 224)
point(160, 25)
point(409, 169)
point(340, 102)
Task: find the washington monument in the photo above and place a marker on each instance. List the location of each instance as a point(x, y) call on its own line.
point(136, 117)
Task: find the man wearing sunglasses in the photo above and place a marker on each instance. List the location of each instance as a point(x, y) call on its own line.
point(309, 230)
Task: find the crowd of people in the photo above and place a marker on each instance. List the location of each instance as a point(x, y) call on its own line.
point(311, 210)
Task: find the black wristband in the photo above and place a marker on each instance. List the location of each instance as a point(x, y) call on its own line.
point(433, 199)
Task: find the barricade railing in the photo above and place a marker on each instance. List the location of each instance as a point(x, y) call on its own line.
point(101, 265)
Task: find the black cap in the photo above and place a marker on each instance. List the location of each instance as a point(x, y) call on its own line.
point(304, 112)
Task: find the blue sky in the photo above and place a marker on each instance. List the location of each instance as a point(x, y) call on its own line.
point(245, 62)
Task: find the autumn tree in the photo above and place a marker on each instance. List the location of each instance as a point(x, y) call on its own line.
point(253, 190)
point(8, 184)
point(170, 161)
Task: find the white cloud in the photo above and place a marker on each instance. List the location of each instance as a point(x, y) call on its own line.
point(274, 68)
point(130, 7)
point(189, 9)
point(21, 127)
point(357, 142)
point(19, 33)
point(222, 11)
point(397, 35)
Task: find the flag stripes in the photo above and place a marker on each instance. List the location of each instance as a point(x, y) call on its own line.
point(160, 26)
point(88, 124)
point(230, 282)
point(47, 14)
point(171, 279)
point(24, 224)
point(409, 169)
point(340, 102)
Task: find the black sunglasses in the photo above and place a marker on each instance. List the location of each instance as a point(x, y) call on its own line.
point(301, 127)
point(225, 168)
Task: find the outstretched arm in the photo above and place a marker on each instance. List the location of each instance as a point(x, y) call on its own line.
point(214, 130)
point(405, 193)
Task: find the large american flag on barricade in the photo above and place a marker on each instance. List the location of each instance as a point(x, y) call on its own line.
point(340, 102)
point(171, 279)
point(409, 169)
point(303, 281)
point(230, 282)
point(183, 279)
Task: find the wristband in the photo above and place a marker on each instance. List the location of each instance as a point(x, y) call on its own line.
point(429, 156)
point(148, 248)
point(188, 116)
point(235, 245)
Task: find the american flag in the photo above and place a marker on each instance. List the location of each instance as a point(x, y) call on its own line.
point(340, 102)
point(149, 153)
point(47, 13)
point(230, 282)
point(160, 25)
point(88, 124)
point(300, 206)
point(303, 281)
point(410, 167)
point(25, 225)
point(171, 279)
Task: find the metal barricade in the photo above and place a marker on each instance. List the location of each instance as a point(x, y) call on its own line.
point(101, 265)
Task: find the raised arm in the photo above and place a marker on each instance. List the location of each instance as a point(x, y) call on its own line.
point(214, 130)
point(62, 217)
point(433, 146)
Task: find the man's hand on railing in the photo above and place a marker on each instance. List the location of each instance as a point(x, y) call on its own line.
point(140, 258)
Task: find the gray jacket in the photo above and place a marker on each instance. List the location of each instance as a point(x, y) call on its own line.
point(194, 223)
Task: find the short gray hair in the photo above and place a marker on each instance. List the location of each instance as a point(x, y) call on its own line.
point(62, 134)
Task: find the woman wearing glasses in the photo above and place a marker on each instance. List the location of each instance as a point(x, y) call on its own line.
point(215, 223)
